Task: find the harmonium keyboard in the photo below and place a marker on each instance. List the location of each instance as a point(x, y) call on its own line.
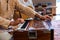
point(38, 31)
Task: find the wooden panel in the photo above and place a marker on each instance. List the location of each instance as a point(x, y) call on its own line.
point(21, 39)
point(24, 35)
point(18, 34)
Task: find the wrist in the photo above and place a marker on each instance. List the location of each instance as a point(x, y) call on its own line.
point(38, 15)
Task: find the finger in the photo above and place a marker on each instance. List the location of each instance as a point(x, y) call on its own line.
point(21, 20)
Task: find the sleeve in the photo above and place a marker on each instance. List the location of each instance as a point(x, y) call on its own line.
point(4, 22)
point(31, 3)
point(28, 11)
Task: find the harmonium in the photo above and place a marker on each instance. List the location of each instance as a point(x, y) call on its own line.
point(37, 31)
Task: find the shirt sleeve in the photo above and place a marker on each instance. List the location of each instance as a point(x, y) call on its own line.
point(31, 3)
point(4, 22)
point(28, 11)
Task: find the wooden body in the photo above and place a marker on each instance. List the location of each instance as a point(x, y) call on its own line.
point(19, 35)
point(40, 34)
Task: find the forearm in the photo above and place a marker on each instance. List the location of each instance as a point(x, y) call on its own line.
point(4, 22)
point(26, 10)
point(40, 16)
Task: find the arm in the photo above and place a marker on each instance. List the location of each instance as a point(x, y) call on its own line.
point(4, 22)
point(28, 11)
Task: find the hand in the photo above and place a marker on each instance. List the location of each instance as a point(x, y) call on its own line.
point(48, 17)
point(16, 22)
point(14, 27)
point(43, 18)
point(20, 20)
